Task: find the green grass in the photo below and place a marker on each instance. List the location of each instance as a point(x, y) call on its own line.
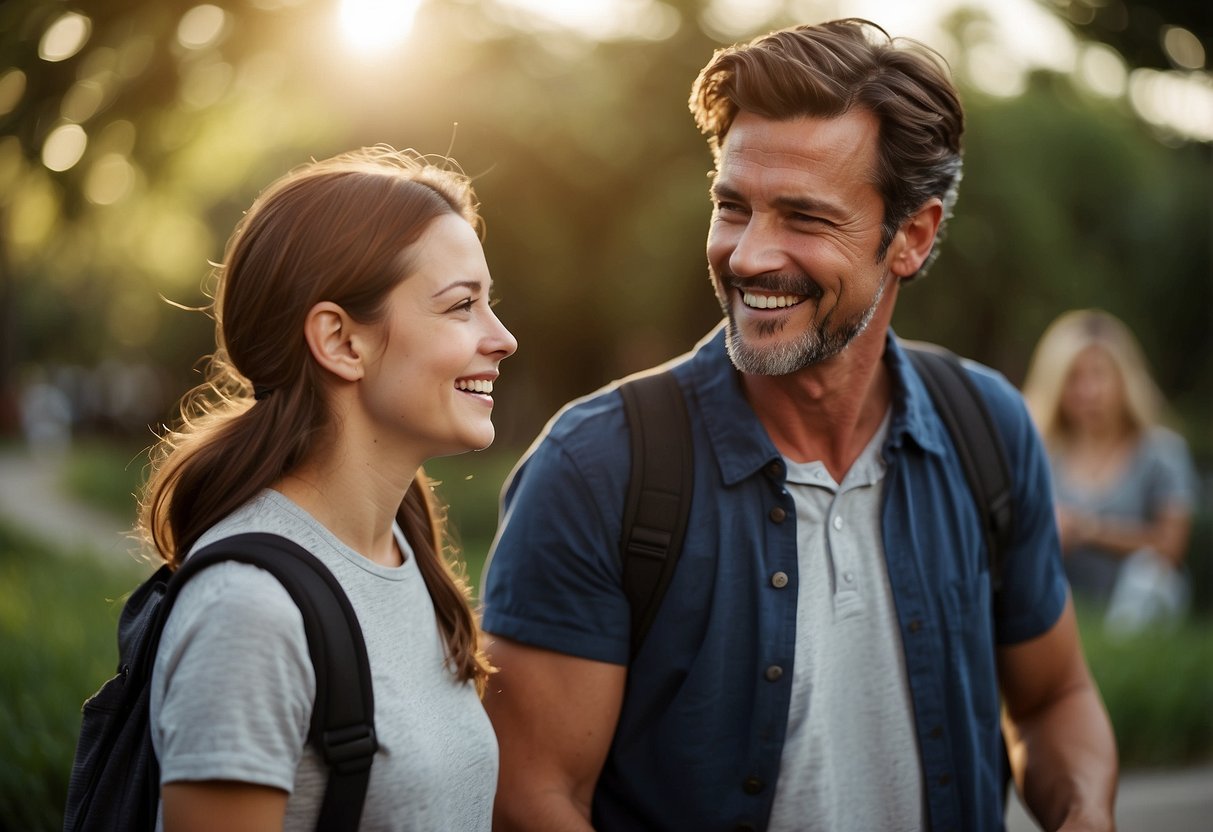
point(58, 620)
point(106, 475)
point(1158, 687)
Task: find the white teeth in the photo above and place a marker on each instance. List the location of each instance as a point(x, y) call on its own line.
point(477, 385)
point(769, 301)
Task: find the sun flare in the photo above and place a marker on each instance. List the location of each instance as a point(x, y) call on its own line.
point(377, 25)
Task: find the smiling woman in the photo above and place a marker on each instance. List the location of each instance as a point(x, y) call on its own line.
point(377, 24)
point(354, 341)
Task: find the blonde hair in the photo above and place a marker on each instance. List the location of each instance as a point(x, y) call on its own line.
point(1059, 346)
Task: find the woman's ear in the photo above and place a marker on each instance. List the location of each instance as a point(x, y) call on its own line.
point(915, 238)
point(332, 337)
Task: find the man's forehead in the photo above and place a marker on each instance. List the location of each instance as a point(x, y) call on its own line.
point(804, 150)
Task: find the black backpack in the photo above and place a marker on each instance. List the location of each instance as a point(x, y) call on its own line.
point(658, 502)
point(115, 782)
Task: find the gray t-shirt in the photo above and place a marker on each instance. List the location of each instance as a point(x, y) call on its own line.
point(233, 686)
point(1159, 475)
point(850, 759)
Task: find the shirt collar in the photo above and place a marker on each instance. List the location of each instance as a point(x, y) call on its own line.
point(740, 442)
point(913, 412)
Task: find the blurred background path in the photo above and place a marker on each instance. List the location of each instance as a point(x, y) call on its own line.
point(31, 497)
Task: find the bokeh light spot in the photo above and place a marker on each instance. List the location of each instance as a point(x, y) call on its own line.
point(65, 37)
point(109, 179)
point(12, 87)
point(1102, 71)
point(1184, 105)
point(206, 85)
point(83, 100)
point(1183, 47)
point(64, 147)
point(994, 71)
point(201, 26)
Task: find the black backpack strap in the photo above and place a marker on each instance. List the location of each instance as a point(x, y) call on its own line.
point(658, 500)
point(342, 726)
point(978, 442)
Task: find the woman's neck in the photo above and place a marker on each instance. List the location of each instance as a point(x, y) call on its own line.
point(353, 499)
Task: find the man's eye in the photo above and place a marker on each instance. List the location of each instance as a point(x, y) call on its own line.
point(806, 218)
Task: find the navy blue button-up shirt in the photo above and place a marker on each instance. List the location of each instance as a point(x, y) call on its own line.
point(702, 727)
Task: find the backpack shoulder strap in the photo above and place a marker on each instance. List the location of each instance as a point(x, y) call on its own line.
point(978, 442)
point(342, 726)
point(658, 502)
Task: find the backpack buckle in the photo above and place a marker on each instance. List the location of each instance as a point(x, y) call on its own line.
point(349, 750)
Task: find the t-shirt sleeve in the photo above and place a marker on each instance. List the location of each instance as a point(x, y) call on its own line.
point(553, 579)
point(233, 684)
point(1173, 476)
point(1034, 586)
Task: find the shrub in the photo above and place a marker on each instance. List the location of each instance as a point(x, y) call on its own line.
point(1158, 687)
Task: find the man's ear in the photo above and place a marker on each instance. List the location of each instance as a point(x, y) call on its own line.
point(914, 239)
point(331, 336)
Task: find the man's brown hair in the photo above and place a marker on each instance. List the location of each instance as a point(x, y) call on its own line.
point(825, 71)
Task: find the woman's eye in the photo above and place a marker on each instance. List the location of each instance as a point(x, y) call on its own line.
point(464, 306)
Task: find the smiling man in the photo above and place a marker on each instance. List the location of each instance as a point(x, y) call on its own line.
point(831, 652)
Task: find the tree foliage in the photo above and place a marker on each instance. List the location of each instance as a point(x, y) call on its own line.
point(593, 181)
point(1137, 28)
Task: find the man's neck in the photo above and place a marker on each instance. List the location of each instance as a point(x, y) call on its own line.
point(830, 411)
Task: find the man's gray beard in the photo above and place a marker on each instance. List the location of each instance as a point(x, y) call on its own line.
point(813, 346)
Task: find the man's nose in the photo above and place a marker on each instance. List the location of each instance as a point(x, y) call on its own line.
point(758, 250)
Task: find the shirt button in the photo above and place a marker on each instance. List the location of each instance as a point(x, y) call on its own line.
point(937, 732)
point(915, 625)
point(774, 469)
point(849, 577)
point(774, 673)
point(837, 522)
point(945, 779)
point(779, 580)
point(778, 515)
point(752, 785)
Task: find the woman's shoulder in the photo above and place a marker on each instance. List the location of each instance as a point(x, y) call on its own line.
point(1163, 441)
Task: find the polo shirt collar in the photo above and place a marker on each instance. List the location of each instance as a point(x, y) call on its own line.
point(741, 444)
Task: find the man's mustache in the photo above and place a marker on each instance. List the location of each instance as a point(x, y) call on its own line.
point(781, 283)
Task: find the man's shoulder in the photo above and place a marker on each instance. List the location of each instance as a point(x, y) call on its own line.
point(598, 419)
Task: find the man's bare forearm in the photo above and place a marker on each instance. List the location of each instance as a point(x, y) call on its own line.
point(1065, 762)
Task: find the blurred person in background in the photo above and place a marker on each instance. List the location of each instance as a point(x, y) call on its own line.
point(1124, 485)
point(831, 652)
point(355, 340)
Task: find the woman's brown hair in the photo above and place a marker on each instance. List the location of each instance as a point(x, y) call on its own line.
point(334, 231)
point(826, 70)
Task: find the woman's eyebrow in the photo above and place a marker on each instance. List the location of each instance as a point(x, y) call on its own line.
point(472, 285)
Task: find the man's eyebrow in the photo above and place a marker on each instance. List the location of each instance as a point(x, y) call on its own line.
point(472, 285)
point(800, 204)
point(807, 205)
point(721, 191)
